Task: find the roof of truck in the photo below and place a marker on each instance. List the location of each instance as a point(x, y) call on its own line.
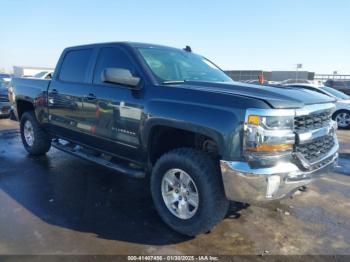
point(125, 43)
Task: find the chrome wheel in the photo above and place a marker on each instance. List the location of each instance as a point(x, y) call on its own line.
point(343, 119)
point(180, 193)
point(28, 133)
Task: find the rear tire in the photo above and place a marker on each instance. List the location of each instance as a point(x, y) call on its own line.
point(35, 140)
point(203, 177)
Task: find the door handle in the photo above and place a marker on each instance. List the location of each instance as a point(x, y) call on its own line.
point(90, 96)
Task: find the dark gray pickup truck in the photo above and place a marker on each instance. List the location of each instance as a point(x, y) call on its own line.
point(173, 116)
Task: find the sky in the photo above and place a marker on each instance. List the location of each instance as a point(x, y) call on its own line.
point(235, 34)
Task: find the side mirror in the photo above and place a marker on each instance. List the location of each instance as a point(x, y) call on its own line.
point(120, 76)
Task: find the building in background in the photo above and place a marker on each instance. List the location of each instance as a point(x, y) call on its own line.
point(249, 75)
point(284, 75)
point(20, 71)
point(323, 77)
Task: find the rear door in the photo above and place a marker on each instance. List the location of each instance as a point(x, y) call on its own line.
point(66, 93)
point(114, 111)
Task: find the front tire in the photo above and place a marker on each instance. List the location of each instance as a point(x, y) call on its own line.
point(35, 140)
point(343, 118)
point(187, 191)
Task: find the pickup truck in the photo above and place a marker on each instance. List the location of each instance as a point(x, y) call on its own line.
point(174, 117)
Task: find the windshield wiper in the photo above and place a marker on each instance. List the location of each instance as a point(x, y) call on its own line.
point(169, 82)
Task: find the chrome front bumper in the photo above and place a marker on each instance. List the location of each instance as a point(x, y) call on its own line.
point(243, 183)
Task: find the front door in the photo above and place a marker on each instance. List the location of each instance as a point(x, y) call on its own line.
point(114, 111)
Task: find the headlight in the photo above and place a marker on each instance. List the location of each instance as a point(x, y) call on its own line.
point(277, 122)
point(268, 133)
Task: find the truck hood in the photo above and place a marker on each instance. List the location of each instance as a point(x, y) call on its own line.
point(276, 97)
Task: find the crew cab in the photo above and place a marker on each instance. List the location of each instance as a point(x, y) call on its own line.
point(171, 115)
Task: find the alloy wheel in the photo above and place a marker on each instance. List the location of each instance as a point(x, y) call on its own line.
point(343, 119)
point(180, 193)
point(28, 132)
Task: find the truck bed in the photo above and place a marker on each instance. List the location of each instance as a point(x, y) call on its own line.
point(33, 92)
point(29, 87)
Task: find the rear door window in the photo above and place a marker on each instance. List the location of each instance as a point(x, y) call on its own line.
point(338, 84)
point(347, 84)
point(75, 66)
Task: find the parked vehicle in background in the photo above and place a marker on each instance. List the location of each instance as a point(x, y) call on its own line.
point(44, 75)
point(4, 75)
point(295, 81)
point(342, 112)
point(150, 110)
point(340, 85)
point(5, 106)
point(29, 71)
point(40, 75)
point(257, 82)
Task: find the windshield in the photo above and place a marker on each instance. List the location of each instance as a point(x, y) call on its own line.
point(177, 65)
point(335, 93)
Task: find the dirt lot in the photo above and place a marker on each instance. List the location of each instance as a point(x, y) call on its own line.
point(59, 204)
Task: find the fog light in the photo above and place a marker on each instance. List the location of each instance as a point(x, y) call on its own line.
point(273, 183)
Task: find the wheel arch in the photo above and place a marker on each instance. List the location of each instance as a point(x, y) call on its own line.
point(23, 106)
point(163, 137)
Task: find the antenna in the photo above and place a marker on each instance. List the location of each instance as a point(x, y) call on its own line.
point(188, 49)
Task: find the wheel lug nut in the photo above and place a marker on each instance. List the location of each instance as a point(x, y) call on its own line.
point(180, 198)
point(176, 191)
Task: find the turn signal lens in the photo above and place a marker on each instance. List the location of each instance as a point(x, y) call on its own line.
point(268, 135)
point(254, 120)
point(270, 148)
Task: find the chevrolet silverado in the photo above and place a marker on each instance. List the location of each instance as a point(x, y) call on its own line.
point(173, 116)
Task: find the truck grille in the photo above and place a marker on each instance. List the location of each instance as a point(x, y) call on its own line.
point(313, 147)
point(316, 149)
point(4, 98)
point(312, 121)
